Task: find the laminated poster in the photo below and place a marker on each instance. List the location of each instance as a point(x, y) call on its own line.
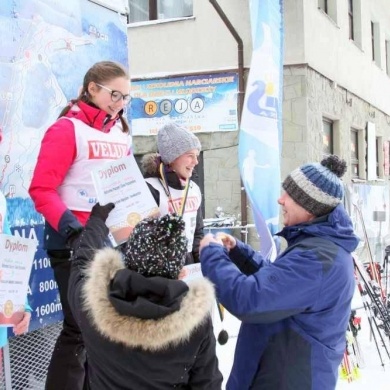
point(16, 257)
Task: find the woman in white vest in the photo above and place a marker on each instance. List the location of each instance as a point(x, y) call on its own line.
point(168, 174)
point(90, 131)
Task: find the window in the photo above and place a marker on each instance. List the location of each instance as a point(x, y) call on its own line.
point(372, 41)
point(371, 154)
point(387, 49)
point(375, 43)
point(327, 136)
point(379, 158)
point(354, 153)
point(329, 7)
point(350, 19)
point(145, 10)
point(323, 4)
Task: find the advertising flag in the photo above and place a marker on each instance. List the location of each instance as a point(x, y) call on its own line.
point(260, 132)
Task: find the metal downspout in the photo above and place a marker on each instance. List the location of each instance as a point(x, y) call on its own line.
point(241, 93)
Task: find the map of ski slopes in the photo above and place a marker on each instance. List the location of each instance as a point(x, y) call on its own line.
point(46, 48)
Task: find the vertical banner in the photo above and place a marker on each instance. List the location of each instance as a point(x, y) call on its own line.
point(260, 132)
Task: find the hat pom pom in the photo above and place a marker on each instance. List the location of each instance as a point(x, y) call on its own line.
point(335, 164)
point(171, 225)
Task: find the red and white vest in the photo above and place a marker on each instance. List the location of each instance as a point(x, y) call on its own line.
point(194, 199)
point(94, 148)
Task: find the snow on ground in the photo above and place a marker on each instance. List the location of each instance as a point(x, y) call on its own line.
point(372, 375)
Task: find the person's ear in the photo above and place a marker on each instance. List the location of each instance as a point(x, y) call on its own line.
point(92, 88)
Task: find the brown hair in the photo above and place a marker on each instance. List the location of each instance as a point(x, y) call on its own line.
point(100, 73)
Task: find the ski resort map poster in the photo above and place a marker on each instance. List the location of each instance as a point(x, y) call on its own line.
point(46, 48)
point(200, 103)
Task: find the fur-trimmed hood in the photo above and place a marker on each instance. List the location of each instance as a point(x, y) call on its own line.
point(195, 303)
point(150, 164)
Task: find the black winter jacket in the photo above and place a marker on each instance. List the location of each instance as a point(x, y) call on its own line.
point(140, 333)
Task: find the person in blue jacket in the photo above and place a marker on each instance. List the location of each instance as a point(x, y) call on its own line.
point(295, 310)
point(22, 326)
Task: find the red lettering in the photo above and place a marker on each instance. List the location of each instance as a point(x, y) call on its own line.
point(191, 205)
point(104, 150)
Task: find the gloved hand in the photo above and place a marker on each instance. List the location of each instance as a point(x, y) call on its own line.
point(102, 212)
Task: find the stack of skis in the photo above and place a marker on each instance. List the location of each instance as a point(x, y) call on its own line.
point(373, 285)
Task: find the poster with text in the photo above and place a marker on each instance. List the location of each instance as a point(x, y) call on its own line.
point(16, 257)
point(201, 103)
point(121, 182)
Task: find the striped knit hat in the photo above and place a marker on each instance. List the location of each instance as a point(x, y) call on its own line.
point(157, 247)
point(317, 187)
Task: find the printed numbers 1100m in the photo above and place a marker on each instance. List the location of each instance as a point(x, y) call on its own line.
point(41, 263)
point(47, 309)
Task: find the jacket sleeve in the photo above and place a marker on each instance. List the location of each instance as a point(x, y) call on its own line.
point(155, 193)
point(275, 291)
point(246, 259)
point(92, 238)
point(205, 373)
point(198, 235)
point(57, 153)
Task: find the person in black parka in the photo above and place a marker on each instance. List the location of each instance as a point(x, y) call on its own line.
point(142, 327)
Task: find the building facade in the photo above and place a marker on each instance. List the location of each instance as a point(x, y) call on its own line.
point(336, 92)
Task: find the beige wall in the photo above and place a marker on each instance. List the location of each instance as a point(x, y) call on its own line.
point(199, 44)
point(314, 38)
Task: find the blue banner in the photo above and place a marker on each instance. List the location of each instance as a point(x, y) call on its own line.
point(261, 132)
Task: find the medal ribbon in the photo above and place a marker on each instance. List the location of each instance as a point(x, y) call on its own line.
point(164, 183)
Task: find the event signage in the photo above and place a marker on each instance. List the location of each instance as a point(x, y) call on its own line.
point(16, 257)
point(201, 103)
point(121, 182)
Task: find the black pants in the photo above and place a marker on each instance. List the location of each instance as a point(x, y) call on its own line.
point(67, 368)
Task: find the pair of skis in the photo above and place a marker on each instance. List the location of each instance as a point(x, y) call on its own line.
point(376, 305)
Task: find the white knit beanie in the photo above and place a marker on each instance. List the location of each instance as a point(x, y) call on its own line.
point(173, 141)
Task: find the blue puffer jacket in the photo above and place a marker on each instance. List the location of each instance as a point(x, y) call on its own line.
point(294, 311)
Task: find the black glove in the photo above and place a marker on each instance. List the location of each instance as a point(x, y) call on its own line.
point(102, 212)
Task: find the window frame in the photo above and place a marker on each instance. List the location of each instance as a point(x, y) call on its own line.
point(327, 135)
point(323, 5)
point(351, 20)
point(153, 14)
point(355, 154)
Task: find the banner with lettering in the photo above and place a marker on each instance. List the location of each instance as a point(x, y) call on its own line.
point(261, 133)
point(200, 103)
